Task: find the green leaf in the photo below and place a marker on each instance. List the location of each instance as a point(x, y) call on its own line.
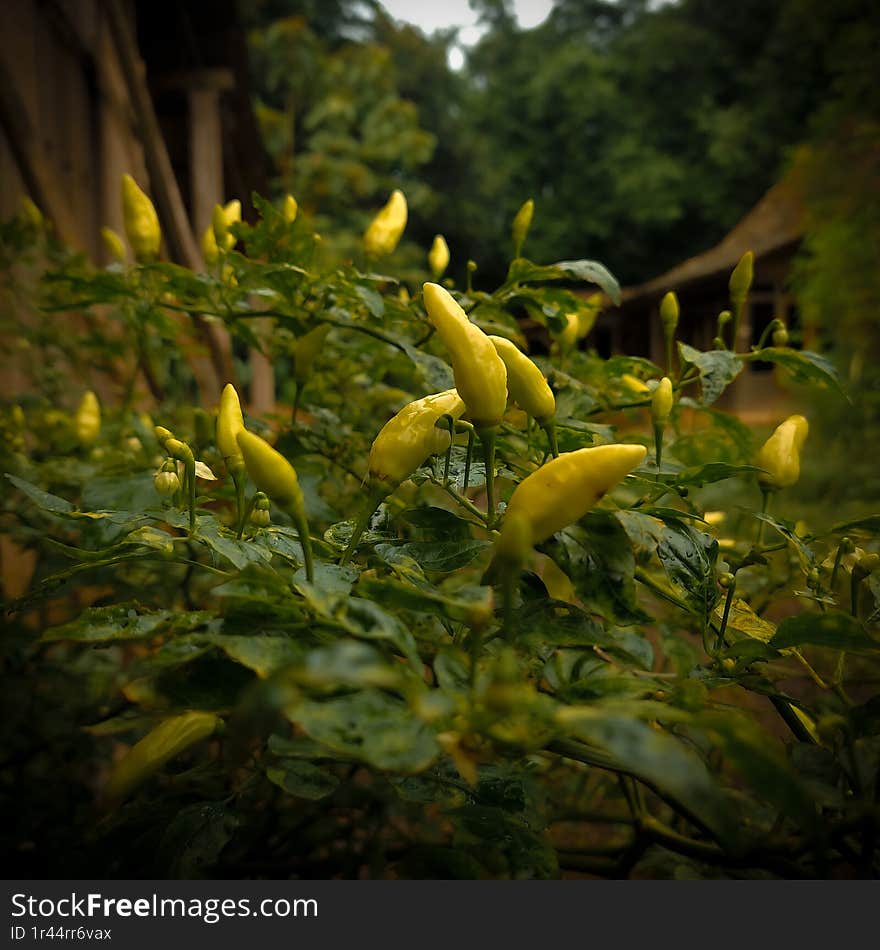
point(262, 654)
point(372, 727)
point(346, 663)
point(524, 271)
point(42, 499)
point(718, 368)
point(755, 754)
point(124, 622)
point(805, 366)
point(659, 759)
point(435, 372)
point(505, 841)
point(303, 779)
point(598, 559)
point(744, 620)
point(869, 523)
point(712, 472)
point(443, 557)
point(688, 556)
point(194, 839)
point(837, 630)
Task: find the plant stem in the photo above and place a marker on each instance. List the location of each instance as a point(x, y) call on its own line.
point(302, 527)
point(658, 445)
point(238, 479)
point(550, 429)
point(469, 452)
point(487, 441)
point(765, 508)
point(373, 501)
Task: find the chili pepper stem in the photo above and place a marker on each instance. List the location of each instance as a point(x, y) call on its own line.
point(731, 590)
point(373, 501)
point(658, 445)
point(238, 479)
point(854, 580)
point(737, 313)
point(487, 441)
point(765, 508)
point(550, 429)
point(190, 469)
point(670, 340)
point(469, 452)
point(305, 540)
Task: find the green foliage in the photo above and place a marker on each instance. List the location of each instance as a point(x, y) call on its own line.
point(182, 700)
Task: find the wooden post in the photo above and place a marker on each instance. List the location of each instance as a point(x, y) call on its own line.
point(178, 234)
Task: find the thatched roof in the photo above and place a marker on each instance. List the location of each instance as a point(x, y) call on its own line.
point(774, 223)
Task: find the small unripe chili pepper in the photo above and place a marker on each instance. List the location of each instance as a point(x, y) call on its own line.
point(669, 311)
point(141, 221)
point(385, 230)
point(113, 244)
point(438, 256)
point(275, 476)
point(480, 373)
point(662, 402)
point(411, 437)
point(780, 336)
point(260, 510)
point(780, 454)
point(87, 419)
point(669, 318)
point(741, 278)
point(521, 223)
point(289, 209)
point(166, 480)
point(156, 748)
point(566, 488)
point(525, 382)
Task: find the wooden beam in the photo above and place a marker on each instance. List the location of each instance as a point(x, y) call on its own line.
point(178, 233)
point(37, 173)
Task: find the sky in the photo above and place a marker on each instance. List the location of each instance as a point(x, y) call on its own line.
point(432, 15)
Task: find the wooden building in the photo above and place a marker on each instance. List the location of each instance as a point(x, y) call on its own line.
point(90, 89)
point(773, 230)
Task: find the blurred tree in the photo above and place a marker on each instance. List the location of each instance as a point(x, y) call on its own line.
point(341, 134)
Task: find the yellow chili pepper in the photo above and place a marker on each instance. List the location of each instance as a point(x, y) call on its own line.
point(141, 221)
point(156, 748)
point(408, 439)
point(635, 385)
point(275, 476)
point(113, 244)
point(290, 209)
point(87, 420)
point(438, 257)
point(385, 230)
point(230, 422)
point(210, 251)
point(222, 218)
point(780, 454)
point(525, 382)
point(480, 373)
point(32, 212)
point(522, 221)
point(662, 402)
point(566, 488)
